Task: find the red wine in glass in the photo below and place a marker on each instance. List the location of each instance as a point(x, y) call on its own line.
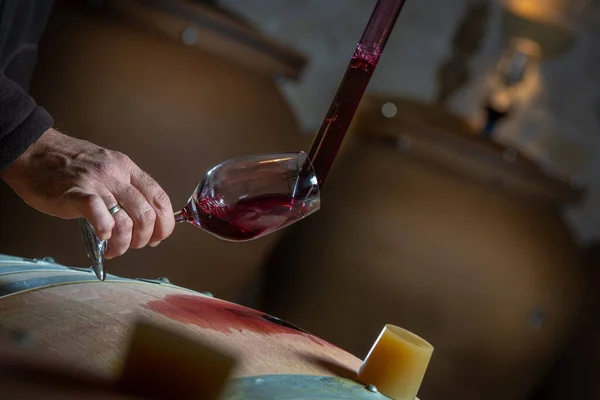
point(250, 197)
point(240, 200)
point(248, 219)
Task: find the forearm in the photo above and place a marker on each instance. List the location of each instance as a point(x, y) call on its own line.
point(22, 122)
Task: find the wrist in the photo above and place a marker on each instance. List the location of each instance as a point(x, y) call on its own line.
point(17, 167)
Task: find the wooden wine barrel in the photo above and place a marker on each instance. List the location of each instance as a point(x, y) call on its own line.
point(70, 315)
point(449, 235)
point(179, 87)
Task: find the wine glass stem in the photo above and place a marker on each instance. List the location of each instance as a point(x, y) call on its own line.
point(180, 216)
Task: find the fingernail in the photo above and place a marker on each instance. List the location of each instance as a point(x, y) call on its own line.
point(154, 244)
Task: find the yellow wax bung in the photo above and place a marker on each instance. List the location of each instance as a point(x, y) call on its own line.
point(396, 363)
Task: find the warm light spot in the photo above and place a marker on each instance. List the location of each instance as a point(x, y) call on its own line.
point(539, 10)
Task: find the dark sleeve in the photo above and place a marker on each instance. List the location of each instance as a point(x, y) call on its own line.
point(22, 121)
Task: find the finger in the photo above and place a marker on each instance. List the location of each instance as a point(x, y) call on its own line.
point(120, 241)
point(141, 213)
point(93, 208)
point(160, 202)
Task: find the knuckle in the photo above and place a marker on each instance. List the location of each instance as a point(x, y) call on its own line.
point(122, 159)
point(104, 166)
point(89, 201)
point(160, 235)
point(111, 163)
point(146, 217)
point(106, 226)
point(124, 224)
point(162, 201)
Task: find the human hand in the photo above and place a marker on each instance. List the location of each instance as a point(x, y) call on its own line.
point(71, 178)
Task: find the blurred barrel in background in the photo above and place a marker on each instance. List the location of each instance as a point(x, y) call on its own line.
point(460, 240)
point(575, 374)
point(179, 87)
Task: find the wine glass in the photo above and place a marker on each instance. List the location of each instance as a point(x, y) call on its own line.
point(240, 200)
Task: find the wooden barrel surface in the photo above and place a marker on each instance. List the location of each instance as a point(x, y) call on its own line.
point(70, 315)
point(179, 87)
point(425, 226)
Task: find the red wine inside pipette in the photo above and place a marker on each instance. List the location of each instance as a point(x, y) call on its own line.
point(248, 218)
point(338, 118)
point(353, 85)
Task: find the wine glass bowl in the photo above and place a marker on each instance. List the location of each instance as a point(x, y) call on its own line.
point(239, 200)
point(250, 197)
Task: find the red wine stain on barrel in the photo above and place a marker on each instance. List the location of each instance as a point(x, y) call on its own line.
point(224, 317)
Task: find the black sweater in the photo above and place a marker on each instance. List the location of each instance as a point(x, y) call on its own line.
point(22, 121)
